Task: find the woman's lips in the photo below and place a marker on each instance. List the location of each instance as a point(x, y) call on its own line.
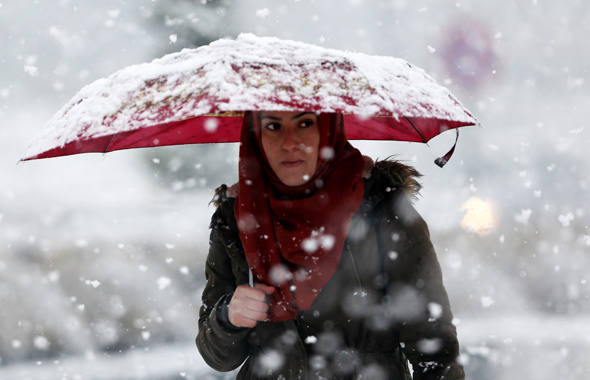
point(292, 163)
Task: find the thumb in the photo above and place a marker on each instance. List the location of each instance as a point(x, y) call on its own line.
point(267, 289)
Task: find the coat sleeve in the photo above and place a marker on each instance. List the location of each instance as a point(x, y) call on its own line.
point(426, 331)
point(222, 347)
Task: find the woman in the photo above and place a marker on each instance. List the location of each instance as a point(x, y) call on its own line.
point(346, 283)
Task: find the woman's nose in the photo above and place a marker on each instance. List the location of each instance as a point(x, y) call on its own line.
point(290, 140)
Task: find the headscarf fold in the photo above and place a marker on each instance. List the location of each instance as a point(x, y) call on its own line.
point(293, 236)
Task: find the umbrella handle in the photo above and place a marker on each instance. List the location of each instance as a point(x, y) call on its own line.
point(442, 161)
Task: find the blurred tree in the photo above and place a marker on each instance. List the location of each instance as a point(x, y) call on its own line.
point(190, 24)
point(201, 166)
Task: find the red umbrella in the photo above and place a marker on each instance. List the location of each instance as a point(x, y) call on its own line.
point(199, 96)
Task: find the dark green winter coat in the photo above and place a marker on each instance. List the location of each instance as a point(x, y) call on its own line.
point(387, 293)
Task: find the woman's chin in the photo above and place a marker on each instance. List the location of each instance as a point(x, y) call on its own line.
point(294, 179)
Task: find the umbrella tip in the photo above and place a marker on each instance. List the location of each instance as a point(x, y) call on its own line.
point(24, 159)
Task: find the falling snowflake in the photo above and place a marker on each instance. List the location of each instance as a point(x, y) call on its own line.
point(435, 310)
point(524, 216)
point(310, 245)
point(94, 283)
point(32, 70)
point(270, 361)
point(163, 283)
point(262, 13)
point(565, 220)
point(211, 125)
point(54, 276)
point(327, 241)
point(487, 301)
point(41, 343)
point(327, 153)
point(280, 274)
point(429, 346)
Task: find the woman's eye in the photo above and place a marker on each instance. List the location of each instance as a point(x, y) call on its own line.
point(306, 123)
point(272, 126)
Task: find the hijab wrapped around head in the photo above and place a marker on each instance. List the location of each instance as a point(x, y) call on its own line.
point(293, 236)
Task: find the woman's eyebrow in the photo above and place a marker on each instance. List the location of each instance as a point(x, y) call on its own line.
point(300, 115)
point(279, 119)
point(271, 117)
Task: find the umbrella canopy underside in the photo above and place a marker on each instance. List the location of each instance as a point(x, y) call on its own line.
point(226, 129)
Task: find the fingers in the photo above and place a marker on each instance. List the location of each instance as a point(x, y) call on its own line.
point(267, 289)
point(248, 305)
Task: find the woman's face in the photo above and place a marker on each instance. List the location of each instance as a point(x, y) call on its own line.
point(291, 141)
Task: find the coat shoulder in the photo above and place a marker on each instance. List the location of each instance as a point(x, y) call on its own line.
point(225, 196)
point(223, 200)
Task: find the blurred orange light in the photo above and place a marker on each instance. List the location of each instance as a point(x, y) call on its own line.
point(480, 216)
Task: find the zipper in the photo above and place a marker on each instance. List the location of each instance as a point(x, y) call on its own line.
point(356, 272)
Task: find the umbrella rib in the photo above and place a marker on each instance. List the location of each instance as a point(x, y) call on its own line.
point(109, 145)
point(416, 130)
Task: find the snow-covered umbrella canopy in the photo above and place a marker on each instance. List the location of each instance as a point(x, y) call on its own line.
point(199, 96)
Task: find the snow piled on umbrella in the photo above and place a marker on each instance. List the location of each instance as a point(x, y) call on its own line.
point(199, 95)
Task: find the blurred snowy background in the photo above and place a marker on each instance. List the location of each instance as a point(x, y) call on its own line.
point(101, 257)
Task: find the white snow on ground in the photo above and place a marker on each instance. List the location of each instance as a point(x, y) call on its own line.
point(504, 347)
point(166, 362)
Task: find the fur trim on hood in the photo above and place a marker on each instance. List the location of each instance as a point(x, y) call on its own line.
point(399, 175)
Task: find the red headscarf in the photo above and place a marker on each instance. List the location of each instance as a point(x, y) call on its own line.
point(293, 236)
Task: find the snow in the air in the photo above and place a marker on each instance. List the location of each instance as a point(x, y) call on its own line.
point(102, 256)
